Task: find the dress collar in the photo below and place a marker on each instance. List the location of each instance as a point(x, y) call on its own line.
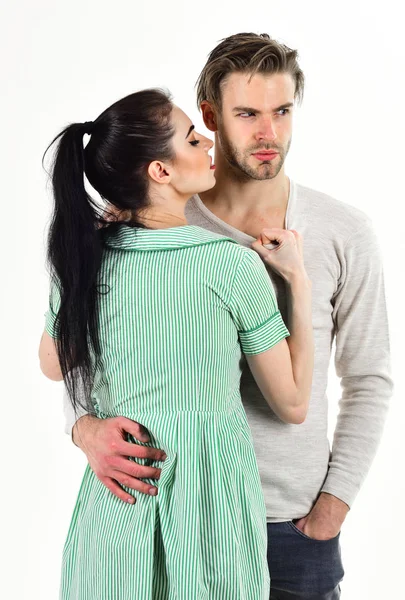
point(172, 238)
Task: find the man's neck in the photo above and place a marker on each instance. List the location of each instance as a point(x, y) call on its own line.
point(249, 206)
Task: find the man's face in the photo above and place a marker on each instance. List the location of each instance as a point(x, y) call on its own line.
point(255, 123)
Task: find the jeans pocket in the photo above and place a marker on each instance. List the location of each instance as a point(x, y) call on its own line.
point(306, 537)
point(316, 564)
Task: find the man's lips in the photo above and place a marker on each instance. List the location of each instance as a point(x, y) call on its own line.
point(265, 154)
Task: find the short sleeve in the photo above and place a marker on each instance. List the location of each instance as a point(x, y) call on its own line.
point(253, 306)
point(51, 316)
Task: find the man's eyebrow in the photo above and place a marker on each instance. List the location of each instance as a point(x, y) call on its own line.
point(258, 112)
point(246, 109)
point(286, 105)
point(189, 131)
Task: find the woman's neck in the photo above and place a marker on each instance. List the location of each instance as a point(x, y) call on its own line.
point(155, 219)
point(165, 210)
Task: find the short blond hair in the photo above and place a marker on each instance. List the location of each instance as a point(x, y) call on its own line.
point(246, 53)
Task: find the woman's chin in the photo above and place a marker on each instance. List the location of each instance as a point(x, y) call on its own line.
point(206, 185)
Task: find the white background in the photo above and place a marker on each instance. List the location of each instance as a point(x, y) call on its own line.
point(67, 61)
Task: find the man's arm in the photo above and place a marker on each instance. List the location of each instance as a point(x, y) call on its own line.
point(362, 363)
point(104, 442)
point(71, 416)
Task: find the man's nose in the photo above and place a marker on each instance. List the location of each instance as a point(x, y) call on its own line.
point(266, 131)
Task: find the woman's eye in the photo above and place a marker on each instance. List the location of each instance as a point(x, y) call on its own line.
point(194, 142)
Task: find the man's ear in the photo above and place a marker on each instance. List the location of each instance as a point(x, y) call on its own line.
point(159, 172)
point(209, 115)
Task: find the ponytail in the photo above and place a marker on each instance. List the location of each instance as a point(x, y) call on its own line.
point(125, 139)
point(74, 255)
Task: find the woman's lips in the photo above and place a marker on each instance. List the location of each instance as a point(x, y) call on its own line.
point(265, 155)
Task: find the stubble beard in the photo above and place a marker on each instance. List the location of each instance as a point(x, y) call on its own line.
point(238, 161)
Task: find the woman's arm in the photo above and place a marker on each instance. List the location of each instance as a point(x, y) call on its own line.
point(48, 358)
point(284, 372)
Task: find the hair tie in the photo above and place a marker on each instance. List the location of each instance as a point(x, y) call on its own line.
point(88, 127)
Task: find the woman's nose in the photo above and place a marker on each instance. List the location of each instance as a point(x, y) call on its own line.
point(208, 144)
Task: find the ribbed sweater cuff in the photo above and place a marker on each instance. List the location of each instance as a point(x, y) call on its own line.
point(341, 487)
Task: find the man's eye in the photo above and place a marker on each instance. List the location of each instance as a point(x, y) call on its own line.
point(246, 115)
point(194, 142)
point(283, 111)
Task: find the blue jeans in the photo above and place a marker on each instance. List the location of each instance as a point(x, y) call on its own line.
point(302, 568)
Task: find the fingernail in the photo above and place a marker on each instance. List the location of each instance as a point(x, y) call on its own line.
point(164, 456)
point(153, 491)
point(131, 500)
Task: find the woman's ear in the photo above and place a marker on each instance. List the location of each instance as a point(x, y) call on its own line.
point(209, 116)
point(159, 172)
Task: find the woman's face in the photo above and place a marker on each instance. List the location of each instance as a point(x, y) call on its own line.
point(192, 170)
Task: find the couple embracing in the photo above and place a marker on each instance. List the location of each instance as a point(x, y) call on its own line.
point(192, 319)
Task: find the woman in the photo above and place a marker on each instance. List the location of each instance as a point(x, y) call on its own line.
point(148, 318)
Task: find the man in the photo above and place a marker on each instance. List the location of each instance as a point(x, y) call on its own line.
point(247, 92)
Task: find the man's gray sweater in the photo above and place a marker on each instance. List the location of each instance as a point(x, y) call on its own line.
point(344, 264)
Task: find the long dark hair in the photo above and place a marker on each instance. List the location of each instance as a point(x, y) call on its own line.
point(124, 140)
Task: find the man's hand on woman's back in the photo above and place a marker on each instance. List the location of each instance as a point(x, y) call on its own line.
point(104, 443)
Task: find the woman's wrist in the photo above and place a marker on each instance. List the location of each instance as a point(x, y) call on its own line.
point(298, 279)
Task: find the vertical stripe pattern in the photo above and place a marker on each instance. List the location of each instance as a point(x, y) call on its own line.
point(182, 305)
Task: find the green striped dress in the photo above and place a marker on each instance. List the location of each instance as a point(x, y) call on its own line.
point(183, 304)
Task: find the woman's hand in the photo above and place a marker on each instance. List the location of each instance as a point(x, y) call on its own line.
point(286, 255)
